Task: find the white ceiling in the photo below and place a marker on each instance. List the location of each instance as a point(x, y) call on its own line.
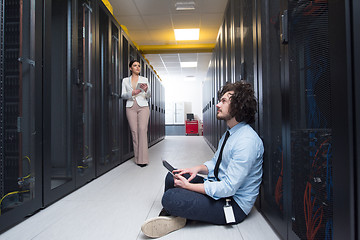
point(168, 65)
point(152, 23)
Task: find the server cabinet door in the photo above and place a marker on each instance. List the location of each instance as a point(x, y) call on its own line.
point(85, 94)
point(105, 156)
point(58, 140)
point(310, 120)
point(114, 131)
point(273, 195)
point(127, 145)
point(20, 110)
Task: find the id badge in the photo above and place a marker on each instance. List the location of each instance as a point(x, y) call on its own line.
point(228, 211)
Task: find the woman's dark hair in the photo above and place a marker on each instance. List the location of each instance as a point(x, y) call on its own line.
point(243, 104)
point(132, 62)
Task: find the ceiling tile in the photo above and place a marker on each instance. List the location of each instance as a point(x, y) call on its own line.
point(170, 57)
point(174, 70)
point(159, 68)
point(131, 22)
point(211, 19)
point(212, 6)
point(150, 7)
point(139, 36)
point(172, 64)
point(188, 57)
point(124, 8)
point(163, 36)
point(153, 57)
point(186, 20)
point(208, 35)
point(158, 21)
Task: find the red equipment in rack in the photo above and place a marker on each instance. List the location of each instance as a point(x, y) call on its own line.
point(192, 127)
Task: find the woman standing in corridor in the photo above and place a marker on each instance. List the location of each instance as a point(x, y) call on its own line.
point(136, 90)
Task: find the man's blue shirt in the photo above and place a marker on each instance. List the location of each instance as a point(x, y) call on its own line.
point(240, 170)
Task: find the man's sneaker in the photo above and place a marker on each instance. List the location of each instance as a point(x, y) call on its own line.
point(164, 213)
point(160, 226)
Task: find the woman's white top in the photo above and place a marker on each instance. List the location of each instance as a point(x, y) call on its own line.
point(141, 98)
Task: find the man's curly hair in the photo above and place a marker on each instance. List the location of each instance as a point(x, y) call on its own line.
point(243, 104)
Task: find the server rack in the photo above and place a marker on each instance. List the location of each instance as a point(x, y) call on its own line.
point(60, 69)
point(273, 197)
point(108, 92)
point(85, 93)
point(344, 52)
point(59, 174)
point(126, 137)
point(128, 54)
point(356, 77)
point(309, 116)
point(20, 101)
point(300, 58)
point(152, 109)
point(149, 124)
point(114, 104)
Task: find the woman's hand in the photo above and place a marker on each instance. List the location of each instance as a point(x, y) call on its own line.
point(136, 92)
point(144, 86)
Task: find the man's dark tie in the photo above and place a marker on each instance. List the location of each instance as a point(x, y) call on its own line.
point(216, 170)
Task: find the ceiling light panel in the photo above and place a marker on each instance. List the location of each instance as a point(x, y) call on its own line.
point(185, 6)
point(188, 64)
point(187, 34)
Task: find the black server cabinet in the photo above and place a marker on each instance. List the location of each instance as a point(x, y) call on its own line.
point(356, 61)
point(108, 116)
point(114, 102)
point(152, 108)
point(301, 58)
point(128, 149)
point(85, 92)
point(309, 121)
point(152, 111)
point(313, 196)
point(58, 85)
point(149, 123)
point(273, 197)
point(20, 110)
point(297, 194)
point(343, 23)
point(157, 108)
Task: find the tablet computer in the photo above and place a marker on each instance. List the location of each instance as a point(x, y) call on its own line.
point(139, 84)
point(168, 166)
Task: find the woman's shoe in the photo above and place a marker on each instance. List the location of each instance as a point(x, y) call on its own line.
point(142, 165)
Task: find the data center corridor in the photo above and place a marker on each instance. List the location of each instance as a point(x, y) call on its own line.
point(115, 205)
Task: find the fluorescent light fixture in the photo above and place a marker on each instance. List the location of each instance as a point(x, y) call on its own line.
point(188, 64)
point(189, 78)
point(187, 34)
point(181, 6)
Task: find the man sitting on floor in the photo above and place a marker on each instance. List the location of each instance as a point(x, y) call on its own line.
point(229, 191)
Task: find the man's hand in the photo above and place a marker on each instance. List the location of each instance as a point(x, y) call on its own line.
point(181, 182)
point(191, 171)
